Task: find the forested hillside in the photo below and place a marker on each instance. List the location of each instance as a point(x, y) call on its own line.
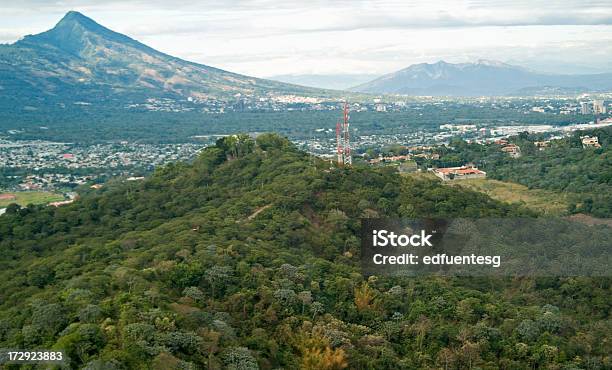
point(566, 167)
point(584, 175)
point(248, 258)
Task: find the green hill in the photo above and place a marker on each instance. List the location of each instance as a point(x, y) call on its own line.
point(248, 258)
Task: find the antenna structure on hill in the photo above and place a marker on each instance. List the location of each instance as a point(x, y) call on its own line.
point(343, 139)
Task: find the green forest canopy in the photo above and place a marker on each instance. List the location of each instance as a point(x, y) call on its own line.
point(248, 258)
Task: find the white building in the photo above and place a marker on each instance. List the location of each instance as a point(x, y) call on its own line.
point(590, 141)
point(599, 107)
point(585, 108)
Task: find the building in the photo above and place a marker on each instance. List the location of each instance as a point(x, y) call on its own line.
point(599, 107)
point(381, 108)
point(541, 144)
point(434, 156)
point(512, 149)
point(393, 158)
point(585, 108)
point(459, 173)
point(458, 128)
point(61, 203)
point(590, 141)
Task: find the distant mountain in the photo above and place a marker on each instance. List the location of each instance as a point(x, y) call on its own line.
point(481, 78)
point(80, 58)
point(330, 81)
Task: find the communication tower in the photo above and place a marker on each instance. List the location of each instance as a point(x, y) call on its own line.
point(343, 139)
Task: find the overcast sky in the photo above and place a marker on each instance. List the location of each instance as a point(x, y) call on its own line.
point(266, 38)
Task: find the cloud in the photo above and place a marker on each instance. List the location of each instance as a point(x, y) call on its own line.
point(264, 37)
point(11, 34)
point(344, 15)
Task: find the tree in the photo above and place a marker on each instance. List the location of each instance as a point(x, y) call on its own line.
point(306, 298)
point(50, 318)
point(364, 296)
point(317, 353)
point(216, 275)
point(194, 293)
point(239, 358)
point(82, 342)
point(316, 308)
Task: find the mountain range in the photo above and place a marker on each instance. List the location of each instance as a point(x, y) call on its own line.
point(483, 77)
point(81, 58)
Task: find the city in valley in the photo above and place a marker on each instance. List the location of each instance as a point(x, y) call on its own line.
point(36, 164)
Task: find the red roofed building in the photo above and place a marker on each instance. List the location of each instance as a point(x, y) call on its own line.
point(459, 173)
point(513, 150)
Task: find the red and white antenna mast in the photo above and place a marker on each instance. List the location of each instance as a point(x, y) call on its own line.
point(339, 149)
point(348, 160)
point(343, 139)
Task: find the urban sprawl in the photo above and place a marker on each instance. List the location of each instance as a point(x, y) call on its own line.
point(52, 166)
